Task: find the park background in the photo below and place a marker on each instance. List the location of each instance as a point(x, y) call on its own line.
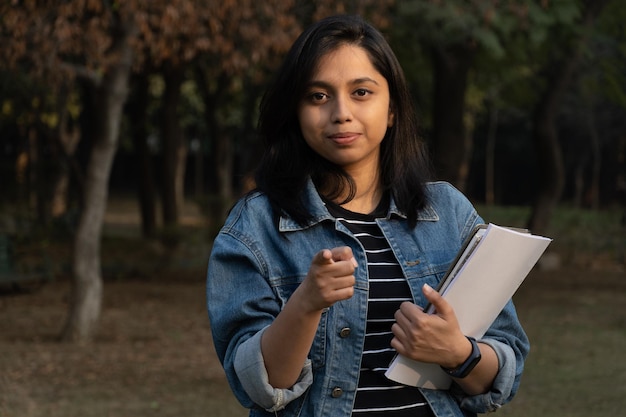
point(127, 130)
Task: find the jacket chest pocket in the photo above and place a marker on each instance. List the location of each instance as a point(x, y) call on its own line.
point(431, 270)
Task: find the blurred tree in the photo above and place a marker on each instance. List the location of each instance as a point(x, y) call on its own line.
point(172, 34)
point(595, 111)
point(503, 75)
point(43, 133)
point(100, 42)
point(90, 40)
point(66, 136)
point(563, 54)
point(450, 33)
point(378, 12)
point(249, 37)
point(173, 146)
point(109, 96)
point(454, 34)
point(140, 129)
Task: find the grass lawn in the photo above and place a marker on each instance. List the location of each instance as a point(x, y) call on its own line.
point(576, 322)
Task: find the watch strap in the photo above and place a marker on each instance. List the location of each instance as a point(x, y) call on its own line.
point(466, 367)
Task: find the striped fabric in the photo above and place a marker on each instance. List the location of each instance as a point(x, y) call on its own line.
point(377, 396)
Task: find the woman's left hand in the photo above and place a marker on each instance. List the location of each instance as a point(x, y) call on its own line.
point(434, 338)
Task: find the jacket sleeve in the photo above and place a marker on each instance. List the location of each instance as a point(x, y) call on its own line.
point(250, 370)
point(508, 339)
point(241, 304)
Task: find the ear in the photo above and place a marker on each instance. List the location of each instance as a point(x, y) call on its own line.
point(390, 118)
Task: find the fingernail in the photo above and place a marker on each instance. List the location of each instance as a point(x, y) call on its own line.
point(427, 288)
point(355, 263)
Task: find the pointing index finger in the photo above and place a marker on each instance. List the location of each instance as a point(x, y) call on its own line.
point(344, 253)
point(323, 257)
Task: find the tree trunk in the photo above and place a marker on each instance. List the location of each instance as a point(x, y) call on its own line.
point(251, 148)
point(174, 151)
point(146, 188)
point(221, 146)
point(558, 74)
point(490, 154)
point(224, 165)
point(579, 183)
point(67, 137)
point(450, 148)
point(37, 198)
point(86, 297)
point(549, 157)
point(596, 160)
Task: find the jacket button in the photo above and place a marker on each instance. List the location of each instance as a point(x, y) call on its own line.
point(337, 392)
point(345, 332)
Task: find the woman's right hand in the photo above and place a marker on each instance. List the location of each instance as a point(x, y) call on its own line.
point(330, 279)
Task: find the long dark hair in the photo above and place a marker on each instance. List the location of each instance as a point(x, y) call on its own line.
point(288, 161)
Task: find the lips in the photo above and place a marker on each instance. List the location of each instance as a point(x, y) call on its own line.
point(344, 138)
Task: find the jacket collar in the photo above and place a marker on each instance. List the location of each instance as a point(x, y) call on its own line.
point(319, 211)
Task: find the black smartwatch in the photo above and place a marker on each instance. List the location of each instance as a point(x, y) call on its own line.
point(466, 367)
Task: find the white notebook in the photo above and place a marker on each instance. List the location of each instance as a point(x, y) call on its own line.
point(490, 267)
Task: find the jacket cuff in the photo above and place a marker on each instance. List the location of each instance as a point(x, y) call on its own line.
point(252, 375)
point(502, 385)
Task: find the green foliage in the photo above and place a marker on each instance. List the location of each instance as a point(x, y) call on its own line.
point(610, 46)
point(510, 41)
point(490, 24)
point(573, 230)
point(489, 40)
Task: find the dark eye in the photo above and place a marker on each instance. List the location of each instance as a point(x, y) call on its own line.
point(361, 92)
point(316, 97)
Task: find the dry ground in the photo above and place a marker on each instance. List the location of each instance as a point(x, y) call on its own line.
point(153, 355)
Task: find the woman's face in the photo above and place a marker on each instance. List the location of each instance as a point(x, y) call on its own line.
point(345, 111)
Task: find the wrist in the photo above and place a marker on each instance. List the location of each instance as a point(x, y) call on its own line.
point(304, 304)
point(471, 360)
point(462, 350)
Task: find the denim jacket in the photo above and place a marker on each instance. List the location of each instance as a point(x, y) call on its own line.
point(256, 263)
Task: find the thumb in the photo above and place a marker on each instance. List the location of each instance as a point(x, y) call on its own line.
point(442, 307)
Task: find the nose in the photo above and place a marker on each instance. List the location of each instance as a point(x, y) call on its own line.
point(341, 111)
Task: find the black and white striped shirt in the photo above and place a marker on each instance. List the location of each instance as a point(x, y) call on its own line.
point(376, 395)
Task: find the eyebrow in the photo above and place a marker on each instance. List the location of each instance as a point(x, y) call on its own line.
point(361, 80)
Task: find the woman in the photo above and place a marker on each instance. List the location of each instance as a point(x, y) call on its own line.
point(319, 276)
